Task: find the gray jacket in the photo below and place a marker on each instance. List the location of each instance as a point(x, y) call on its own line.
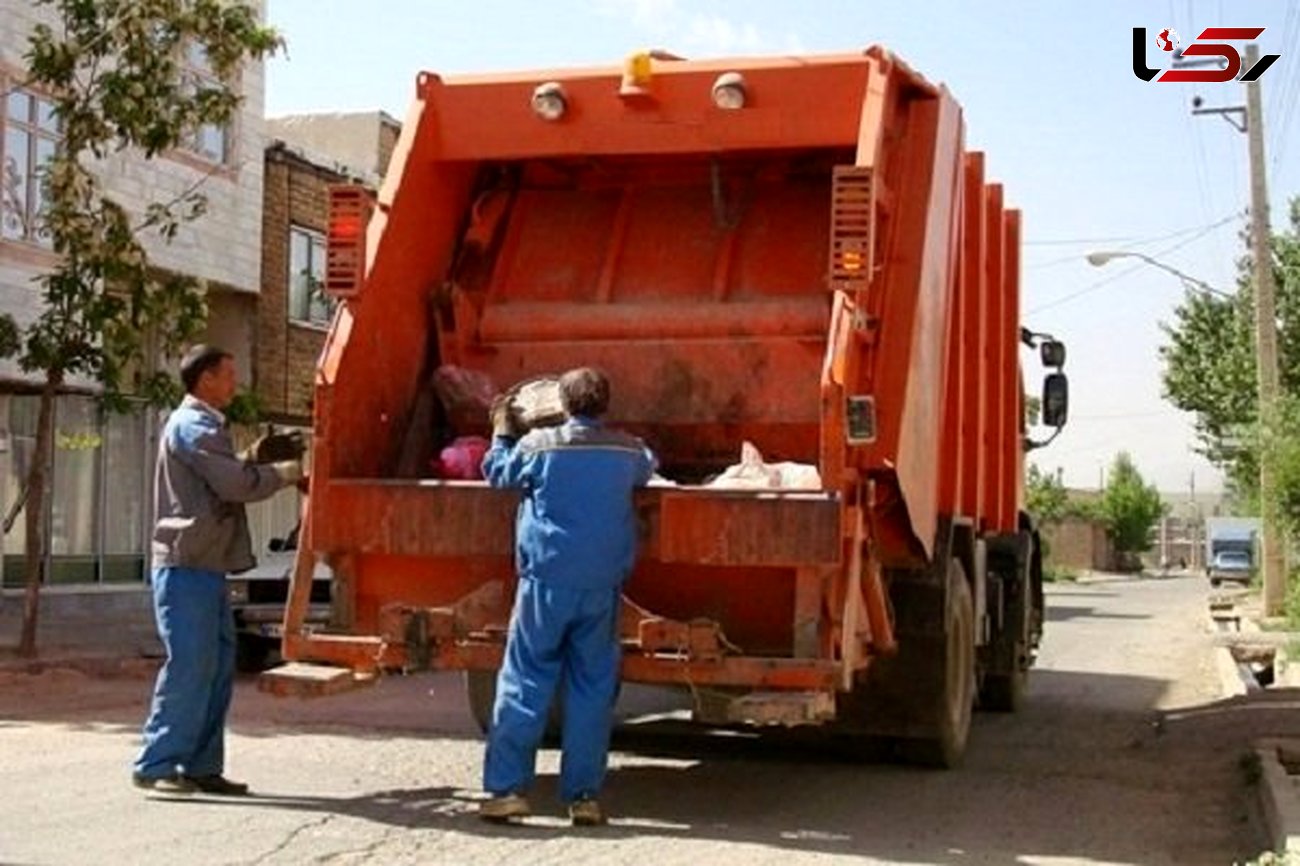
point(200, 491)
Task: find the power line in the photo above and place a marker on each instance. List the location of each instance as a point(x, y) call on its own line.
point(1074, 257)
point(1105, 281)
point(1118, 416)
point(1288, 89)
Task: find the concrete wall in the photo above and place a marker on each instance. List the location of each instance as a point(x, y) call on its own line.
point(225, 245)
point(1078, 544)
point(358, 142)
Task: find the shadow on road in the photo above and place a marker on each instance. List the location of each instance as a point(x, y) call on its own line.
point(1061, 612)
point(1090, 771)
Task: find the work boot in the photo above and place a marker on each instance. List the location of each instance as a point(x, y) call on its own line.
point(165, 786)
point(587, 813)
point(503, 808)
point(218, 784)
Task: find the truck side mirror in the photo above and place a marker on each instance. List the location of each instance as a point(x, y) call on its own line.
point(1053, 353)
point(1056, 400)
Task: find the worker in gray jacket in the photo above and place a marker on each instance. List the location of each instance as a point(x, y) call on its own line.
point(201, 534)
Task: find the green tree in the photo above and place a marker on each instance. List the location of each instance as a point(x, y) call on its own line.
point(114, 71)
point(1209, 361)
point(1046, 498)
point(1130, 506)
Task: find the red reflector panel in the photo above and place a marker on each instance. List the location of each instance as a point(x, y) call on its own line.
point(345, 254)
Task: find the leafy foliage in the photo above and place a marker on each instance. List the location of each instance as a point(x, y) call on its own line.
point(1130, 506)
point(1210, 361)
point(116, 73)
point(1046, 498)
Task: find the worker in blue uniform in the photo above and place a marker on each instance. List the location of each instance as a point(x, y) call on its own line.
point(575, 546)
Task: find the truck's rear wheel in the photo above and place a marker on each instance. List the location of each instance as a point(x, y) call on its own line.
point(1004, 683)
point(1004, 693)
point(481, 692)
point(916, 705)
point(947, 745)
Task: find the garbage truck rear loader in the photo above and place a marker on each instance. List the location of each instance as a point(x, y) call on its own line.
point(798, 253)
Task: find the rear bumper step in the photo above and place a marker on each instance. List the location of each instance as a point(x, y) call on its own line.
point(298, 679)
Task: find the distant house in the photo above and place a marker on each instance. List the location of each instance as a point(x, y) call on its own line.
point(305, 155)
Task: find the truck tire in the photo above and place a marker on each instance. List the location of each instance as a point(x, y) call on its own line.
point(946, 747)
point(252, 653)
point(481, 692)
point(1004, 693)
point(915, 706)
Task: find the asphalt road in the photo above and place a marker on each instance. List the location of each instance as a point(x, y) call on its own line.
point(1096, 770)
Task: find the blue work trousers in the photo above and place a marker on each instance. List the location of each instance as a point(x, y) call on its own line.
point(185, 732)
point(555, 633)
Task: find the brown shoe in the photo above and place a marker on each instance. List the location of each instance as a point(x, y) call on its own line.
point(217, 784)
point(587, 813)
point(503, 808)
point(165, 786)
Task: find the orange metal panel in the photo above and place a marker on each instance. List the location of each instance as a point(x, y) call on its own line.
point(694, 401)
point(563, 322)
point(912, 300)
point(928, 395)
point(995, 249)
point(684, 250)
point(490, 117)
point(754, 605)
point(374, 364)
point(974, 340)
point(737, 529)
point(951, 455)
point(1013, 410)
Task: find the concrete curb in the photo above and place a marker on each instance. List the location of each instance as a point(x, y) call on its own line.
point(1233, 682)
point(1278, 796)
point(1235, 678)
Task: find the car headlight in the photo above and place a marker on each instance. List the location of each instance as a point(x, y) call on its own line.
point(237, 591)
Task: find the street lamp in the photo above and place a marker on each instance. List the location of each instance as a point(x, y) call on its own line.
point(1273, 571)
point(1102, 257)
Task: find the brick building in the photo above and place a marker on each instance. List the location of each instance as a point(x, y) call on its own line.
point(306, 155)
point(292, 319)
point(98, 530)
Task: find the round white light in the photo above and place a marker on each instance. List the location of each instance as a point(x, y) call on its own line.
point(549, 102)
point(729, 91)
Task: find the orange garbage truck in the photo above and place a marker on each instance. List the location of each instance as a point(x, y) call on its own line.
point(796, 253)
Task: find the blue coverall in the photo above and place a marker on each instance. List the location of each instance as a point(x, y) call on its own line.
point(201, 534)
point(575, 546)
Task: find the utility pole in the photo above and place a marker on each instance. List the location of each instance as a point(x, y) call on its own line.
point(1273, 566)
point(1274, 556)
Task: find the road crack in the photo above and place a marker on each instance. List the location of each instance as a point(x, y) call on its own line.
point(292, 837)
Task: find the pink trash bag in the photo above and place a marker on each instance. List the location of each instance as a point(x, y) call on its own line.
point(462, 460)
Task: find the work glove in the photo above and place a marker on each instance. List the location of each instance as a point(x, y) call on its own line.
point(274, 447)
point(288, 471)
point(504, 422)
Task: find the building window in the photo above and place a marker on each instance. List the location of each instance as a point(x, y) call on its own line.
point(307, 303)
point(31, 136)
point(97, 530)
point(210, 141)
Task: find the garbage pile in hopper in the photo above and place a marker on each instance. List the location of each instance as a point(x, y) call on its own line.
point(466, 395)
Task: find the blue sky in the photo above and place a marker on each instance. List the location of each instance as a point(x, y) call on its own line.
point(1096, 158)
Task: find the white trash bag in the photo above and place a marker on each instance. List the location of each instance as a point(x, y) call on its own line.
point(751, 473)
